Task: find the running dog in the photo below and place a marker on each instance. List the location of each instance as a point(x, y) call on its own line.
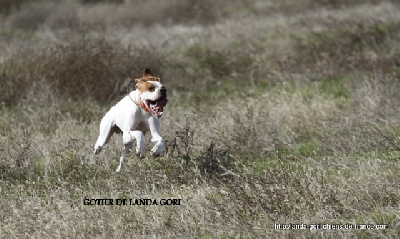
point(138, 112)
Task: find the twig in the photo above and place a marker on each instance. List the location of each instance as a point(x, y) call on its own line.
point(391, 141)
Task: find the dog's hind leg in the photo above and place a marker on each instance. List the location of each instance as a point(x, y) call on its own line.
point(124, 152)
point(107, 128)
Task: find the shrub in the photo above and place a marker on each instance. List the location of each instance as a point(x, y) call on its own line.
point(101, 1)
point(82, 68)
point(53, 14)
point(363, 47)
point(8, 6)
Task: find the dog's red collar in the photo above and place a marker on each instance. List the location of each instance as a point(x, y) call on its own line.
point(142, 105)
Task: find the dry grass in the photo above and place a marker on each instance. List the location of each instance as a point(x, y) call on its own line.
point(289, 115)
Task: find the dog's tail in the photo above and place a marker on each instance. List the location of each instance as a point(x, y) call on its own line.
point(106, 131)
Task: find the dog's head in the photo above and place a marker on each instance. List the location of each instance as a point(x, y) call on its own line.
point(152, 93)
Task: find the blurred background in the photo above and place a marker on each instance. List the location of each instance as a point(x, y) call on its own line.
point(88, 48)
point(279, 111)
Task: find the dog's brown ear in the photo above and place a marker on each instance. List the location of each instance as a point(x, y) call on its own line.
point(147, 73)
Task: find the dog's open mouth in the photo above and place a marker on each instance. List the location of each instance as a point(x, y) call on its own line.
point(157, 107)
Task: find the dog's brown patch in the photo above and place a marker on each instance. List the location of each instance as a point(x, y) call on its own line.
point(143, 86)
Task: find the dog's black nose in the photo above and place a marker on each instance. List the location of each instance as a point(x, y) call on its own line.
point(163, 90)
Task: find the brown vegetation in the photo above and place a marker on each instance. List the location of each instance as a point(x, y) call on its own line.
point(279, 112)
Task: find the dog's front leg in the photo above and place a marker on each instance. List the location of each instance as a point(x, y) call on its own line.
point(139, 137)
point(156, 139)
point(127, 138)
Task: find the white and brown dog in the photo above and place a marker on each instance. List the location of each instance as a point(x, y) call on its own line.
point(134, 115)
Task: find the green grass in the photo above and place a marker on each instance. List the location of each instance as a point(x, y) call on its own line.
point(15, 34)
point(335, 87)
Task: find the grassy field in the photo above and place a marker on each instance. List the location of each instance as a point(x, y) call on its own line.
point(280, 112)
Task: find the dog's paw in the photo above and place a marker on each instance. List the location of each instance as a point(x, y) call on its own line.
point(156, 151)
point(119, 169)
point(158, 147)
point(155, 154)
point(140, 153)
point(97, 150)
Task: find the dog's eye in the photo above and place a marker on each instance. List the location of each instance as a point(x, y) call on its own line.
point(152, 88)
